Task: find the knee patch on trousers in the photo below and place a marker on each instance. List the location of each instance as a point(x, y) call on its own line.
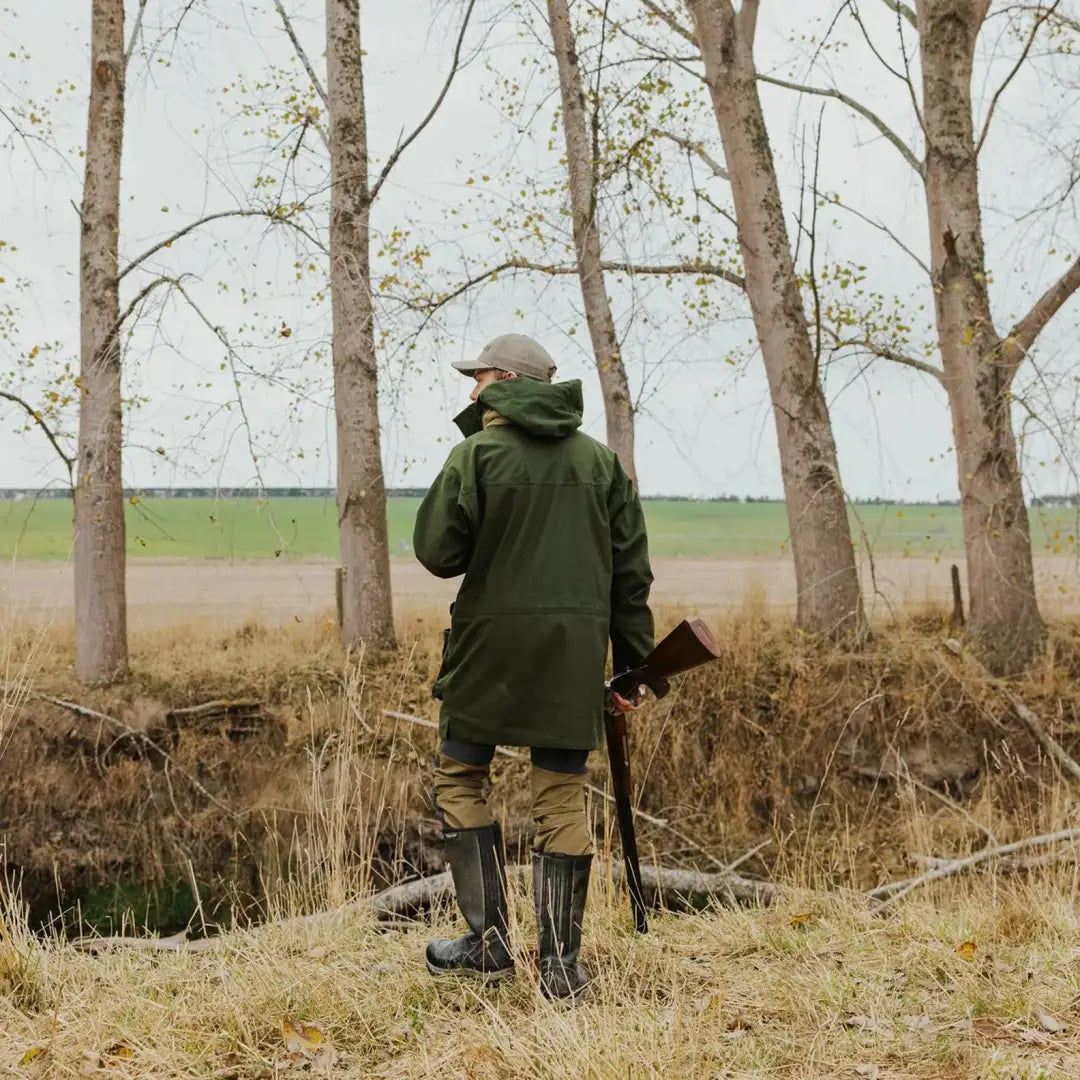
point(459, 793)
point(559, 813)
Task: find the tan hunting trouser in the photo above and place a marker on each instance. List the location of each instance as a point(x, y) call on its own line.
point(558, 797)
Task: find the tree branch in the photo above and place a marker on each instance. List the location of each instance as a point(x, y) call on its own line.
point(1060, 19)
point(140, 738)
point(698, 150)
point(139, 298)
point(747, 18)
point(671, 270)
point(835, 200)
point(1012, 74)
point(594, 125)
point(887, 352)
point(39, 420)
point(636, 269)
point(270, 214)
point(403, 146)
point(1022, 336)
point(670, 21)
point(233, 358)
point(136, 31)
point(889, 894)
point(903, 9)
point(1053, 749)
point(905, 75)
point(905, 150)
point(286, 22)
point(813, 247)
point(726, 214)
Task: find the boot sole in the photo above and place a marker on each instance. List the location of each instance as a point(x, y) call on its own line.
point(486, 977)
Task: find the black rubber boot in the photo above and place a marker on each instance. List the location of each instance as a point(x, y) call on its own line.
point(560, 886)
point(476, 863)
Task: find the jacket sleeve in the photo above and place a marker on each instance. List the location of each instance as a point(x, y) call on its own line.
point(631, 578)
point(445, 531)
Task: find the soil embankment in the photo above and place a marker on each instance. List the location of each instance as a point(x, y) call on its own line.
point(239, 763)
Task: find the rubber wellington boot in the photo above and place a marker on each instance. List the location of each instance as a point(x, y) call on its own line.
point(560, 886)
point(476, 864)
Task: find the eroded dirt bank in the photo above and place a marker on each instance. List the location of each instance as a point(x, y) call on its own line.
point(241, 763)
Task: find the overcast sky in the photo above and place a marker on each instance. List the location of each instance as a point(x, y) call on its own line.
point(705, 426)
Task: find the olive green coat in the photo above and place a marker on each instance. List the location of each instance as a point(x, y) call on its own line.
point(548, 530)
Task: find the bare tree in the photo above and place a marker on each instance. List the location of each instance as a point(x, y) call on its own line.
point(367, 606)
point(979, 363)
point(100, 594)
point(829, 599)
point(581, 160)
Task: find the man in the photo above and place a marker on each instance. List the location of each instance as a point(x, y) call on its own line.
point(548, 530)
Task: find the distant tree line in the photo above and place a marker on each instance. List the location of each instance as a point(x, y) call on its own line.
point(22, 494)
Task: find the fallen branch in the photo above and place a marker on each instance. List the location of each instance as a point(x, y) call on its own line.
point(677, 889)
point(216, 708)
point(176, 943)
point(1057, 753)
point(660, 823)
point(663, 887)
point(897, 890)
point(141, 737)
point(507, 752)
point(696, 889)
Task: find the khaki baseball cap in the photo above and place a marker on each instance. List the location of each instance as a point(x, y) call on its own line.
point(512, 352)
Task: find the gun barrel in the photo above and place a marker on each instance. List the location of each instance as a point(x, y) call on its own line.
point(688, 646)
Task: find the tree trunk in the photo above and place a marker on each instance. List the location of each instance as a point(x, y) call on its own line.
point(829, 599)
point(367, 607)
point(1005, 625)
point(581, 164)
point(100, 600)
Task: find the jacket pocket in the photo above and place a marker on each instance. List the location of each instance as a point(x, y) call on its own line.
point(436, 690)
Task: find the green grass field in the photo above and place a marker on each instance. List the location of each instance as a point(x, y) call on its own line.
point(305, 528)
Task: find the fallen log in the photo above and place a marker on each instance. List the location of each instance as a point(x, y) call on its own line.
point(679, 890)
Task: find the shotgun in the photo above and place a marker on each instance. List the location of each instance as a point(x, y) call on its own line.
point(689, 645)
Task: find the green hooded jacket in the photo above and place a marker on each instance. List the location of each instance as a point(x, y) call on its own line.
point(548, 530)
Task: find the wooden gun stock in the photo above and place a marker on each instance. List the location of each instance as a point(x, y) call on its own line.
point(688, 646)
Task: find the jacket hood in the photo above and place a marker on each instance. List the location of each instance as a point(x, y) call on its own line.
point(547, 410)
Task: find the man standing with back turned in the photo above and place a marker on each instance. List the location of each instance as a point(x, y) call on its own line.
point(548, 530)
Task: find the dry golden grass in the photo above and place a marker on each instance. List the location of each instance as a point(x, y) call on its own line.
point(773, 993)
point(979, 977)
point(22, 652)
